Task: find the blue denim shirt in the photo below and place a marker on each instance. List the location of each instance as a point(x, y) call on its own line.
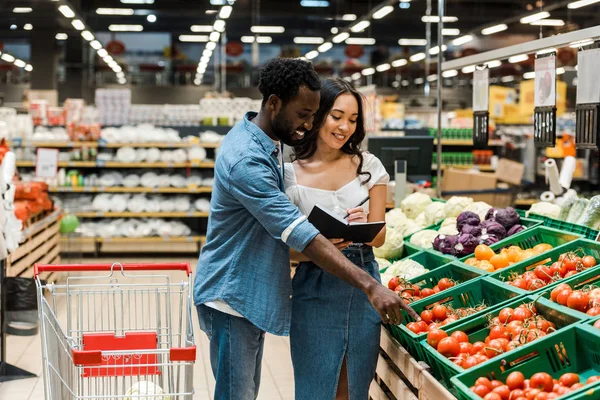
point(252, 225)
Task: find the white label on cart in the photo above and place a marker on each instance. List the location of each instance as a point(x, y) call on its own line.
point(588, 84)
point(545, 81)
point(46, 163)
point(481, 84)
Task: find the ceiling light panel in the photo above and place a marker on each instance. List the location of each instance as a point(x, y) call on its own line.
point(193, 38)
point(125, 28)
point(436, 19)
point(308, 40)
point(494, 29)
point(450, 32)
point(549, 22)
point(201, 28)
point(22, 10)
point(267, 29)
point(412, 42)
point(66, 11)
point(78, 24)
point(225, 12)
point(534, 17)
point(341, 37)
point(399, 63)
point(361, 26)
point(581, 3)
point(382, 12)
point(114, 11)
point(361, 41)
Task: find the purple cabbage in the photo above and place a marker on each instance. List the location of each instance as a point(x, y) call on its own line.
point(488, 239)
point(508, 217)
point(445, 244)
point(466, 244)
point(493, 228)
point(515, 229)
point(491, 214)
point(472, 230)
point(467, 218)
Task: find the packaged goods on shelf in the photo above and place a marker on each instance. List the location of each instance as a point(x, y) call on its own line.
point(13, 125)
point(31, 198)
point(134, 228)
point(113, 106)
point(139, 203)
point(140, 134)
point(224, 111)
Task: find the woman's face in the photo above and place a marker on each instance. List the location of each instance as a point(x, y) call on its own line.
point(340, 123)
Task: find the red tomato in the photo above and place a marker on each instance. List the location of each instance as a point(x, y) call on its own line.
point(515, 380)
point(520, 314)
point(536, 284)
point(543, 381)
point(593, 311)
point(460, 336)
point(498, 332)
point(440, 312)
point(543, 273)
point(516, 394)
point(492, 396)
point(569, 379)
point(445, 283)
point(416, 290)
point(494, 348)
point(532, 394)
point(465, 347)
point(557, 290)
point(427, 292)
point(485, 382)
point(570, 274)
point(577, 386)
point(595, 294)
point(529, 276)
point(588, 261)
point(578, 301)
point(520, 283)
point(503, 391)
point(592, 379)
point(427, 316)
point(563, 296)
point(448, 347)
point(432, 326)
point(470, 362)
point(414, 327)
point(393, 283)
point(597, 324)
point(543, 325)
point(481, 390)
point(570, 262)
point(496, 383)
point(434, 336)
point(505, 315)
point(477, 347)
point(436, 289)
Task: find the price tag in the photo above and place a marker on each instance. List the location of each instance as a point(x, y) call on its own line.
point(102, 143)
point(190, 213)
point(100, 163)
point(481, 84)
point(46, 163)
point(100, 214)
point(544, 125)
point(17, 142)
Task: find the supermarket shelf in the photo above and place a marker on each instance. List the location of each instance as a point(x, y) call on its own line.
point(112, 164)
point(101, 144)
point(467, 142)
point(118, 189)
point(100, 214)
point(485, 168)
point(158, 239)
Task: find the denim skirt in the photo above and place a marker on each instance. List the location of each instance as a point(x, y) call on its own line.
point(332, 320)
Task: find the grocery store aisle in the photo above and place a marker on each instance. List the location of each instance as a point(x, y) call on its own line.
point(277, 374)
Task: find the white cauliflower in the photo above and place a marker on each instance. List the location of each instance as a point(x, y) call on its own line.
point(424, 239)
point(480, 208)
point(422, 220)
point(449, 230)
point(415, 204)
point(411, 227)
point(450, 221)
point(456, 205)
point(393, 246)
point(395, 219)
point(405, 269)
point(383, 263)
point(435, 213)
point(545, 209)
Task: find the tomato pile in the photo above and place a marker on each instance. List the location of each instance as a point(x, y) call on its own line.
point(411, 292)
point(440, 315)
point(568, 264)
point(540, 386)
point(487, 260)
point(586, 300)
point(512, 328)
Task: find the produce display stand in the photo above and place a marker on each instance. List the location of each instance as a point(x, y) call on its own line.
point(400, 376)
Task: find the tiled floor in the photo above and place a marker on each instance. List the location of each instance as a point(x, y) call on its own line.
point(277, 375)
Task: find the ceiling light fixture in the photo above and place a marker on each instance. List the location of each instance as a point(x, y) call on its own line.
point(405, 83)
point(151, 18)
point(432, 78)
point(308, 40)
point(201, 28)
point(28, 68)
point(529, 75)
point(412, 42)
point(314, 3)
point(20, 63)
point(417, 57)
point(534, 17)
point(450, 73)
point(114, 11)
point(468, 70)
point(546, 51)
point(419, 81)
point(219, 25)
point(383, 67)
point(61, 36)
point(399, 63)
point(581, 3)
point(78, 24)
point(193, 38)
point(368, 71)
point(356, 76)
point(434, 50)
point(87, 35)
point(312, 54)
point(341, 37)
point(264, 39)
point(325, 47)
point(361, 26)
point(7, 57)
point(137, 1)
point(125, 28)
point(436, 19)
point(225, 12)
point(247, 39)
point(361, 41)
point(22, 10)
point(493, 64)
point(66, 11)
point(334, 30)
point(382, 12)
point(214, 37)
point(102, 53)
point(28, 27)
point(494, 29)
point(210, 46)
point(462, 40)
point(549, 22)
point(96, 45)
point(560, 71)
point(450, 32)
point(267, 29)
point(349, 17)
point(518, 59)
point(507, 79)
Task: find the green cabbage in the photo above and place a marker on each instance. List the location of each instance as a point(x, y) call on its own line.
point(577, 210)
point(591, 214)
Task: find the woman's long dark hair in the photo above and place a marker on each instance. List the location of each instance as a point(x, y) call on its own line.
point(330, 91)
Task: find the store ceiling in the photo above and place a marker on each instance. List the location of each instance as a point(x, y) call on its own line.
point(176, 16)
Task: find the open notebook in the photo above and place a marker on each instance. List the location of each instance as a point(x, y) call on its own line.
point(333, 227)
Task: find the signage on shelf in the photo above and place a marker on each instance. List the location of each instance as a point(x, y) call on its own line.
point(46, 163)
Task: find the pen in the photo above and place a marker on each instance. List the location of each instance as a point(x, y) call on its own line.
point(359, 204)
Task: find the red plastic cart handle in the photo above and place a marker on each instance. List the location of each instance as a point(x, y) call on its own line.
point(39, 268)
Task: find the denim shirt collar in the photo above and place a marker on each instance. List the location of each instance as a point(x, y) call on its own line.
point(263, 139)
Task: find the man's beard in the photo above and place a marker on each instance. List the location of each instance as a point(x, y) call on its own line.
point(284, 131)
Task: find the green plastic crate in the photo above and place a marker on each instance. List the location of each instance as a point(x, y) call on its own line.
point(587, 246)
point(584, 231)
point(444, 369)
point(575, 349)
point(469, 294)
point(456, 271)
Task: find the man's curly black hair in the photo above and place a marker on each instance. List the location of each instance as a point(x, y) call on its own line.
point(283, 77)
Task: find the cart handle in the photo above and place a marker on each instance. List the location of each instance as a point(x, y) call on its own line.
point(39, 268)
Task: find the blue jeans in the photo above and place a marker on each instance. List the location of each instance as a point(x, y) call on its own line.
point(236, 350)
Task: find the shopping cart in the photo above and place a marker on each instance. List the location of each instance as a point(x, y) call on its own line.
point(126, 335)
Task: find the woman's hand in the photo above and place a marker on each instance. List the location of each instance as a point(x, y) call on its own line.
point(340, 243)
point(357, 214)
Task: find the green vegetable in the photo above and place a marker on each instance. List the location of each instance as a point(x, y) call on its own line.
point(566, 207)
point(591, 214)
point(577, 210)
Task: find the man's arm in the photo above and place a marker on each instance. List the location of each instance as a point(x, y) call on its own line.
point(255, 185)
